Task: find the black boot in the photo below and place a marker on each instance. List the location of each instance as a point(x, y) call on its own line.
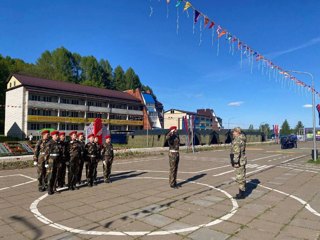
point(240, 195)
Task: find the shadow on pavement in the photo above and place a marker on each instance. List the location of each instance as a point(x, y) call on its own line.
point(253, 184)
point(194, 178)
point(30, 225)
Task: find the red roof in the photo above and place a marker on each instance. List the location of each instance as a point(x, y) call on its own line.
point(72, 87)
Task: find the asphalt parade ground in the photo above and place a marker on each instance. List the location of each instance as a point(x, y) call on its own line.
point(282, 200)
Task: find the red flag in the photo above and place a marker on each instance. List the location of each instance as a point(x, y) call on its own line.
point(211, 25)
point(206, 21)
point(97, 129)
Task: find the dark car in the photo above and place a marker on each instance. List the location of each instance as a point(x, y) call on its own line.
point(289, 141)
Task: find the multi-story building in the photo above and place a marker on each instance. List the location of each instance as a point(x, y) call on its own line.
point(153, 111)
point(203, 119)
point(35, 103)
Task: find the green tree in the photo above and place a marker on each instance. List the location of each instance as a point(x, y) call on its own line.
point(106, 74)
point(132, 80)
point(91, 72)
point(265, 128)
point(119, 79)
point(298, 127)
point(285, 128)
point(250, 127)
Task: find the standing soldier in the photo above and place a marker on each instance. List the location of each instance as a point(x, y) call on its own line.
point(99, 157)
point(107, 155)
point(39, 160)
point(52, 156)
point(92, 152)
point(74, 151)
point(63, 160)
point(82, 155)
point(174, 143)
point(239, 160)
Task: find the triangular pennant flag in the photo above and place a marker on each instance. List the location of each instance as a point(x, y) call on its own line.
point(178, 3)
point(168, 1)
point(206, 21)
point(196, 15)
point(211, 25)
point(188, 4)
point(222, 33)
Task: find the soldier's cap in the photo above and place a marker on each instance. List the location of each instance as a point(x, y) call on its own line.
point(79, 134)
point(73, 132)
point(55, 132)
point(237, 129)
point(45, 131)
point(173, 128)
point(108, 136)
point(90, 135)
point(62, 133)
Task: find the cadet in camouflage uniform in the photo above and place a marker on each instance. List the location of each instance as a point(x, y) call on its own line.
point(239, 160)
point(64, 158)
point(174, 143)
point(74, 150)
point(39, 160)
point(107, 155)
point(82, 155)
point(52, 156)
point(92, 153)
point(99, 157)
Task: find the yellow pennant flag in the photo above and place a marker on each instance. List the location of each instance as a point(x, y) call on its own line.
point(186, 6)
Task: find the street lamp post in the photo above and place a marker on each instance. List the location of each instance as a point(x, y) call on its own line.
point(313, 111)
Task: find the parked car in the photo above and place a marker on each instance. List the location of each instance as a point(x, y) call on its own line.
point(289, 141)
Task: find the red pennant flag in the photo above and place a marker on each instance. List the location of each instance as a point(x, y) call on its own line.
point(206, 21)
point(211, 25)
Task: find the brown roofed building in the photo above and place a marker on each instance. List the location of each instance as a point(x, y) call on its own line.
point(35, 103)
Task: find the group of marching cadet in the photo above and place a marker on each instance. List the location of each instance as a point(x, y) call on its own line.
point(54, 155)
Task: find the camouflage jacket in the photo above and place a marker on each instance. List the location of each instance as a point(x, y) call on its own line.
point(74, 150)
point(99, 148)
point(173, 141)
point(82, 150)
point(107, 151)
point(238, 148)
point(53, 151)
point(64, 149)
point(40, 149)
point(91, 150)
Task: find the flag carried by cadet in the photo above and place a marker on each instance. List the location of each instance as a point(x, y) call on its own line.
point(318, 109)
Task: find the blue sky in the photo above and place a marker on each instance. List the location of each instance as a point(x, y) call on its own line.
point(183, 73)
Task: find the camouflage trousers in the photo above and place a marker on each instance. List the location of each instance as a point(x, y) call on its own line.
point(42, 176)
point(173, 162)
point(91, 168)
point(241, 177)
point(81, 163)
point(52, 174)
point(73, 170)
point(62, 174)
point(107, 165)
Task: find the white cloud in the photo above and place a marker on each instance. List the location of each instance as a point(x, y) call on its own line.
point(307, 106)
point(235, 104)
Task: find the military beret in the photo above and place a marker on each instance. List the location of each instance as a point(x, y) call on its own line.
point(90, 135)
point(55, 132)
point(62, 133)
point(45, 131)
point(79, 134)
point(73, 132)
point(173, 128)
point(108, 136)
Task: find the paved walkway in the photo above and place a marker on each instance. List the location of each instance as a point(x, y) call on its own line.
point(283, 200)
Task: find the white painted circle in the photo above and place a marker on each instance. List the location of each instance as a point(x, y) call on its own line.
point(40, 217)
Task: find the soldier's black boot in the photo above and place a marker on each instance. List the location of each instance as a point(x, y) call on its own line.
point(240, 195)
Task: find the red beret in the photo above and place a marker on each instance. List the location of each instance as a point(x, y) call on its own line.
point(108, 136)
point(90, 135)
point(79, 134)
point(173, 128)
point(62, 133)
point(55, 132)
point(73, 132)
point(45, 131)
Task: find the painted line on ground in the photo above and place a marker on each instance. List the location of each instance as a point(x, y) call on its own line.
point(297, 169)
point(257, 159)
point(20, 184)
point(45, 220)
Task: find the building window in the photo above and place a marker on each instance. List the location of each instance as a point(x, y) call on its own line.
point(35, 112)
point(74, 127)
point(35, 98)
point(118, 116)
point(35, 126)
point(135, 118)
point(90, 103)
point(65, 101)
point(98, 104)
point(172, 111)
point(65, 113)
point(75, 101)
point(74, 114)
point(46, 113)
point(46, 125)
point(47, 99)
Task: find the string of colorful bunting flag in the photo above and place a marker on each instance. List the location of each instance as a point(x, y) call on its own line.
point(265, 65)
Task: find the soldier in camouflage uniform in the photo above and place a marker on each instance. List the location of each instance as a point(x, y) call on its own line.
point(52, 156)
point(64, 158)
point(99, 157)
point(239, 160)
point(174, 143)
point(74, 150)
point(39, 160)
point(82, 155)
point(107, 155)
point(92, 153)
